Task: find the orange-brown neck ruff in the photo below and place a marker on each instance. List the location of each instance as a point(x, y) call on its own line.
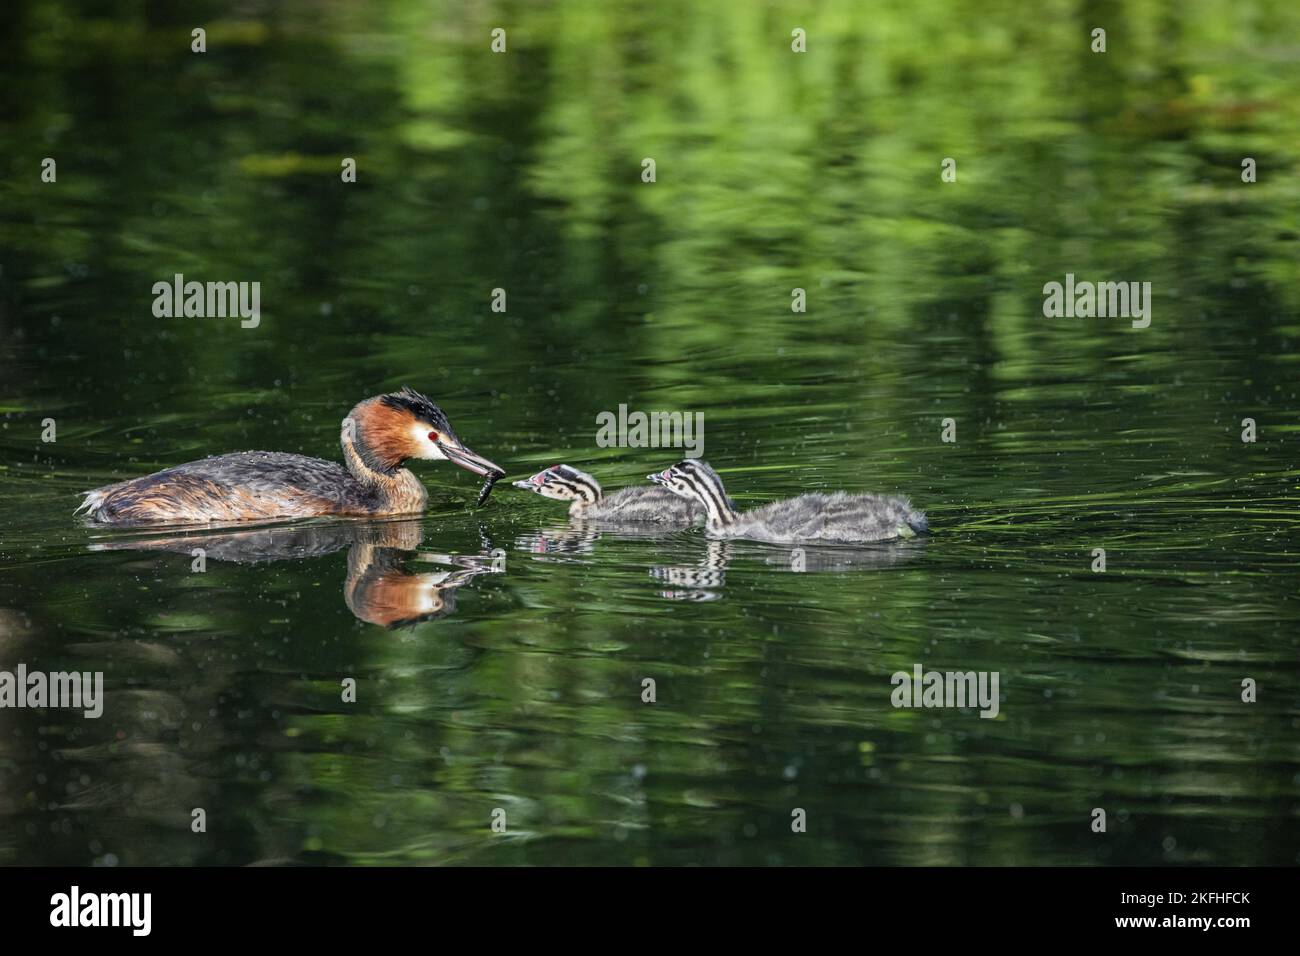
point(382, 436)
point(374, 447)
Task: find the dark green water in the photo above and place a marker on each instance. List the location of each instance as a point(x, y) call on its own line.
point(522, 688)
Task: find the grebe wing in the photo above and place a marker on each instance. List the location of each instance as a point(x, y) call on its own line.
point(239, 487)
point(267, 471)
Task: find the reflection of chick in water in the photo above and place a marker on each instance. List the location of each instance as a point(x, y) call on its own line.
point(560, 539)
point(697, 583)
point(694, 584)
point(580, 535)
point(377, 590)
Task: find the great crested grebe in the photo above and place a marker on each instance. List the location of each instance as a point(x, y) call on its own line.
point(378, 435)
point(835, 518)
point(634, 505)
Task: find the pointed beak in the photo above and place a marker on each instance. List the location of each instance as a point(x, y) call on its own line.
point(471, 461)
point(533, 482)
point(659, 477)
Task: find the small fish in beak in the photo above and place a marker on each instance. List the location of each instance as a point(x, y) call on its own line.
point(476, 464)
point(491, 480)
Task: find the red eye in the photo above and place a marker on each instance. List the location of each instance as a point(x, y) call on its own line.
point(668, 475)
point(539, 479)
point(433, 436)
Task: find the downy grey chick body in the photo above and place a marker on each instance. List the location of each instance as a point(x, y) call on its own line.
point(836, 518)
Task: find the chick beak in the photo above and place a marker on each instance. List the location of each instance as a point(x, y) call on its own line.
point(659, 477)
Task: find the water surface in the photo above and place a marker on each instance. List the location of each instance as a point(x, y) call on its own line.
point(499, 652)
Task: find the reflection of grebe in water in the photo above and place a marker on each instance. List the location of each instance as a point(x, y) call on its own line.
point(377, 590)
point(378, 436)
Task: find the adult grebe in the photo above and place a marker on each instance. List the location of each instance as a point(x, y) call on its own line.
point(378, 435)
point(837, 518)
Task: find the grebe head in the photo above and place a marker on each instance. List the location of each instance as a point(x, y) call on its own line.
point(387, 430)
point(563, 483)
point(694, 480)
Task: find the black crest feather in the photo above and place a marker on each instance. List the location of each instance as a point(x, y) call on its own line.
point(409, 400)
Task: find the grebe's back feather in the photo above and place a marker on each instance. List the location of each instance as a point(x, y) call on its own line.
point(232, 487)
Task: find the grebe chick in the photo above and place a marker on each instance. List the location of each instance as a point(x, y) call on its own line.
point(634, 505)
point(836, 518)
point(378, 435)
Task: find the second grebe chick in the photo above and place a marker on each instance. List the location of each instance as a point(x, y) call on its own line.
point(834, 518)
point(378, 435)
point(634, 505)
